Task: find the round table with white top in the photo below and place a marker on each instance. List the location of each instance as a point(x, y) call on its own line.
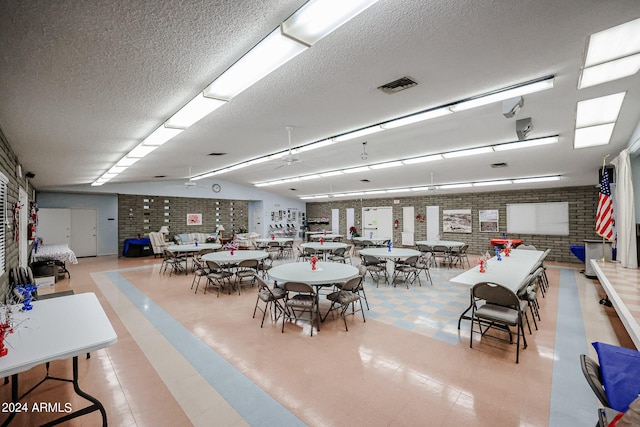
point(327, 236)
point(395, 253)
point(324, 247)
point(193, 247)
point(280, 240)
point(326, 273)
point(377, 241)
point(225, 257)
point(445, 255)
point(264, 241)
point(448, 243)
point(190, 249)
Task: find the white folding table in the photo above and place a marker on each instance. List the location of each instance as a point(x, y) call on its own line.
point(511, 272)
point(56, 329)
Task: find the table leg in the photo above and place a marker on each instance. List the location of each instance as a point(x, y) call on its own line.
point(96, 404)
point(14, 397)
point(462, 316)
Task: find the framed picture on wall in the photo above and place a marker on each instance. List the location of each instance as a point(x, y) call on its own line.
point(194, 219)
point(488, 221)
point(456, 221)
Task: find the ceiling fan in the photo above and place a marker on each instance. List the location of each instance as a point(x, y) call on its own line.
point(190, 183)
point(432, 187)
point(289, 159)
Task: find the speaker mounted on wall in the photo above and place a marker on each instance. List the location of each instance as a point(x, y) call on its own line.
point(610, 171)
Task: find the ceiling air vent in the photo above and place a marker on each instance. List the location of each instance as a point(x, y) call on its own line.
point(499, 165)
point(398, 85)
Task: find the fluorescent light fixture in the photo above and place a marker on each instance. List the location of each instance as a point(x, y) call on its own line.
point(308, 177)
point(116, 169)
point(423, 188)
point(526, 143)
point(272, 52)
point(321, 196)
point(609, 71)
point(375, 192)
point(461, 185)
point(356, 193)
point(469, 152)
point(109, 175)
point(238, 166)
point(489, 183)
point(127, 161)
point(97, 183)
point(358, 133)
point(195, 110)
point(536, 179)
point(596, 111)
point(257, 161)
point(398, 190)
point(593, 136)
point(386, 165)
point(339, 195)
point(431, 114)
point(161, 135)
point(262, 184)
point(209, 174)
point(330, 173)
point(141, 150)
point(612, 43)
point(422, 159)
point(318, 18)
point(316, 145)
point(356, 170)
point(501, 95)
point(306, 197)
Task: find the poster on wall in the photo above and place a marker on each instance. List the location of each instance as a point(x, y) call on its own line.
point(292, 214)
point(488, 221)
point(456, 221)
point(194, 219)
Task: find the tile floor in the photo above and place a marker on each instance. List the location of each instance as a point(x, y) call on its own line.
point(196, 359)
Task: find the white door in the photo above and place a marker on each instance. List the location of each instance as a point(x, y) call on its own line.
point(54, 226)
point(335, 221)
point(84, 240)
point(433, 222)
point(22, 231)
point(377, 223)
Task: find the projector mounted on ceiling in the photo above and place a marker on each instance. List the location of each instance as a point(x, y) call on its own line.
point(510, 107)
point(523, 128)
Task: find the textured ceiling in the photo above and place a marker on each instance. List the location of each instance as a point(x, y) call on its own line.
point(83, 82)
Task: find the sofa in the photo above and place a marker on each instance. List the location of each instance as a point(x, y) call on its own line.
point(190, 238)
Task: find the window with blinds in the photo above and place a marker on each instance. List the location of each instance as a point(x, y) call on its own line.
point(3, 219)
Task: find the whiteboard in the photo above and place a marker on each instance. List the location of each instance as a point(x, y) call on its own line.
point(538, 218)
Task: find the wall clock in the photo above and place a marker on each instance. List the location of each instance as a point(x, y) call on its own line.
point(216, 188)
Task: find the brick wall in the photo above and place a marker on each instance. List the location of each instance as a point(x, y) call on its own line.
point(582, 211)
point(8, 164)
point(140, 214)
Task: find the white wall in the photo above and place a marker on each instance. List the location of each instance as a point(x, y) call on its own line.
point(232, 191)
point(106, 206)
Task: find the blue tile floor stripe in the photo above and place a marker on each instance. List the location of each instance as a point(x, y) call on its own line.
point(569, 388)
point(252, 403)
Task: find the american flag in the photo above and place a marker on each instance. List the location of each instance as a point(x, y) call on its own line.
point(604, 215)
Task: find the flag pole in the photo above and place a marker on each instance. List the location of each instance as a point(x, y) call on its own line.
point(603, 260)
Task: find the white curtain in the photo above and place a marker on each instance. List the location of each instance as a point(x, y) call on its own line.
point(625, 214)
